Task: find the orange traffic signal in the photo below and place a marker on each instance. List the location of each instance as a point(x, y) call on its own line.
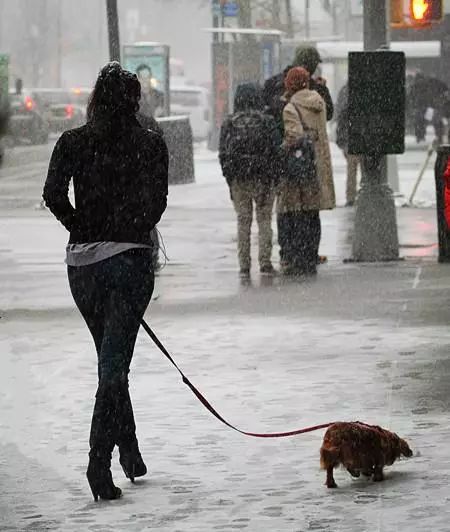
point(425, 11)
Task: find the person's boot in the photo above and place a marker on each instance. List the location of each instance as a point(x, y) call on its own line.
point(99, 476)
point(101, 441)
point(131, 460)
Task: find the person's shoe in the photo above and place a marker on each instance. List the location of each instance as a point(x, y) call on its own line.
point(131, 461)
point(268, 269)
point(244, 273)
point(100, 479)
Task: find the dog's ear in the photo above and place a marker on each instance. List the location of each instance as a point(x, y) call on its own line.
point(405, 449)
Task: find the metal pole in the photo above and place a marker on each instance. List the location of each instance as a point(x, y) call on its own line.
point(375, 24)
point(58, 45)
point(375, 235)
point(276, 14)
point(307, 25)
point(290, 22)
point(113, 30)
point(216, 13)
point(334, 18)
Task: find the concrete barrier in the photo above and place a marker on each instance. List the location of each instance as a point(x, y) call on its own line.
point(179, 139)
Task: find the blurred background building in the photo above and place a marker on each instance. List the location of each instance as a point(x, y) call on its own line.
point(63, 43)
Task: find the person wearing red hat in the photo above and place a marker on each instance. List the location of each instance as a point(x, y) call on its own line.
point(299, 203)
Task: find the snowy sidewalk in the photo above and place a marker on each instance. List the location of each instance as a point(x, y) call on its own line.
point(366, 342)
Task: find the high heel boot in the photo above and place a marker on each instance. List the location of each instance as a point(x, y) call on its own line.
point(100, 479)
point(131, 461)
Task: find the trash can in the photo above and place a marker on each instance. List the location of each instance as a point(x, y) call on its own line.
point(442, 178)
point(180, 144)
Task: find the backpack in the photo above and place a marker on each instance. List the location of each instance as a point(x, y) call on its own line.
point(248, 145)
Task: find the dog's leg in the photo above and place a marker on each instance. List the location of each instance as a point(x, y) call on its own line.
point(378, 474)
point(354, 472)
point(330, 483)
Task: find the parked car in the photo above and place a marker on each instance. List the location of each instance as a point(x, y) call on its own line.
point(65, 108)
point(192, 101)
point(27, 119)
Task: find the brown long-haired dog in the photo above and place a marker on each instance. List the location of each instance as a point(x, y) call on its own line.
point(360, 448)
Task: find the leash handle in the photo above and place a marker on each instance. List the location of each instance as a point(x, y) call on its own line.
point(211, 409)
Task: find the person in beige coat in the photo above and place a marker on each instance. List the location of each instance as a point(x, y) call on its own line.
point(298, 205)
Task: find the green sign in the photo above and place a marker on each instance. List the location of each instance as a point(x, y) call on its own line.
point(4, 80)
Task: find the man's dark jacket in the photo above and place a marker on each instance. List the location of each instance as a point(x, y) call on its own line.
point(274, 90)
point(120, 178)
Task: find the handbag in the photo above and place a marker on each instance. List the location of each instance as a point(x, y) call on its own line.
point(300, 158)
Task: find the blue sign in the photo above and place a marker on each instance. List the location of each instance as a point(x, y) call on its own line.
point(230, 8)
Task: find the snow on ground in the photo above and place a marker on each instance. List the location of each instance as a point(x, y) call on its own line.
point(366, 342)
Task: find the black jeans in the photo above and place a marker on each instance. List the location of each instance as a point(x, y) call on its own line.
point(112, 296)
point(299, 238)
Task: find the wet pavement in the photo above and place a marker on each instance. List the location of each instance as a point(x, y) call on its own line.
point(361, 341)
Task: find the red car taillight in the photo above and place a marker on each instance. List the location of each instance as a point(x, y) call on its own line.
point(29, 103)
point(69, 111)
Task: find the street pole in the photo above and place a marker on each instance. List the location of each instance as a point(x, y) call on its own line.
point(307, 24)
point(276, 14)
point(375, 237)
point(245, 14)
point(113, 30)
point(58, 44)
point(290, 21)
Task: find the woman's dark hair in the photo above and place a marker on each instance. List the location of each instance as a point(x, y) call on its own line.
point(116, 93)
point(248, 96)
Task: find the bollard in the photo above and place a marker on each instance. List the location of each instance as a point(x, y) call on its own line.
point(442, 163)
point(179, 139)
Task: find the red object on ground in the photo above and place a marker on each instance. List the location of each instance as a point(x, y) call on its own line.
point(446, 178)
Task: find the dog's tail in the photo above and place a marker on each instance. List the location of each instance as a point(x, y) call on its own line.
point(329, 457)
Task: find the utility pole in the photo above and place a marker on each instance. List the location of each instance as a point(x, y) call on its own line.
point(375, 237)
point(375, 24)
point(113, 30)
point(307, 22)
point(58, 44)
point(245, 14)
point(290, 21)
point(276, 14)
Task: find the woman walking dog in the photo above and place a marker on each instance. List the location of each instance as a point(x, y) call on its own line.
point(119, 172)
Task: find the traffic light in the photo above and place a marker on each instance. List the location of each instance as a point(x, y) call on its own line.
point(425, 11)
point(415, 13)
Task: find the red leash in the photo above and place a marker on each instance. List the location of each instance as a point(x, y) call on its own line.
point(213, 411)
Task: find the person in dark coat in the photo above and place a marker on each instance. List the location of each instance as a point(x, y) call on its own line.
point(425, 93)
point(308, 58)
point(120, 174)
point(249, 150)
